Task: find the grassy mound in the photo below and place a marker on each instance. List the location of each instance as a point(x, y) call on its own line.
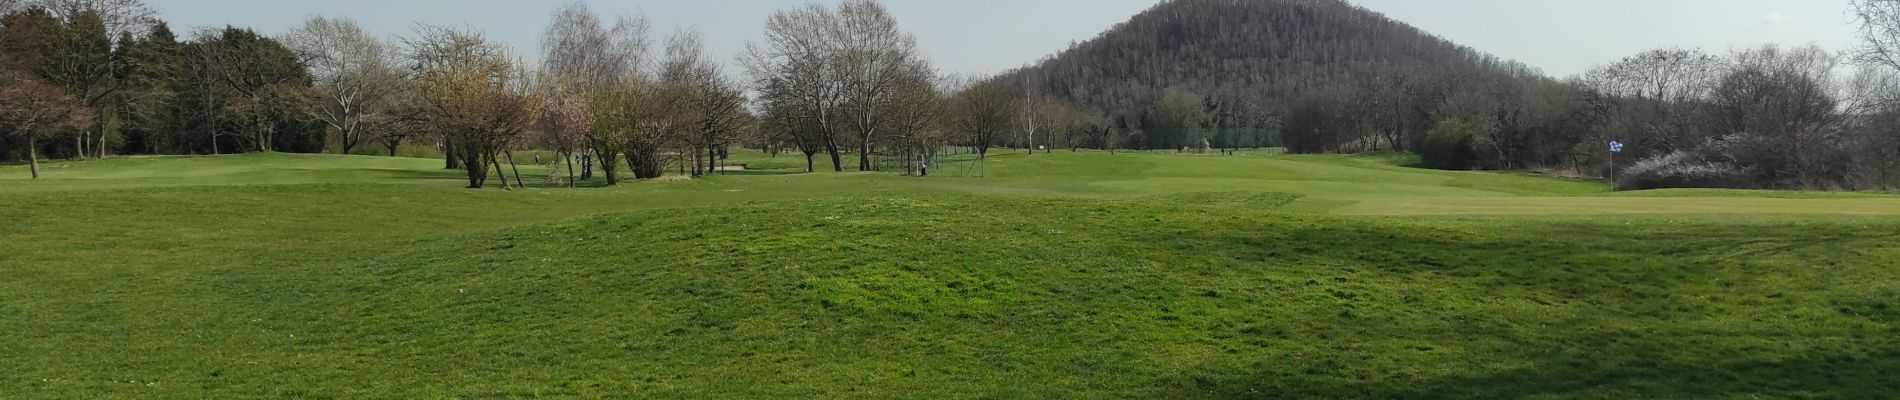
point(927, 296)
point(1163, 277)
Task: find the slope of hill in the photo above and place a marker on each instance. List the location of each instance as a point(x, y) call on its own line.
point(1081, 275)
point(1263, 51)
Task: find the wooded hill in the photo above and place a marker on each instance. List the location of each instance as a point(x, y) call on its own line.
point(1256, 51)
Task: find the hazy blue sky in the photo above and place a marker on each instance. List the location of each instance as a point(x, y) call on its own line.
point(975, 36)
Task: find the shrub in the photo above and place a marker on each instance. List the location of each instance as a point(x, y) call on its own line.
point(1684, 169)
point(1460, 145)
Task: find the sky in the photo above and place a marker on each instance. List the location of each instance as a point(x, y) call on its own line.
point(1560, 37)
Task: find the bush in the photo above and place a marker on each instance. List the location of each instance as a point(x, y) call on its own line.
point(1460, 145)
point(1685, 169)
point(1746, 161)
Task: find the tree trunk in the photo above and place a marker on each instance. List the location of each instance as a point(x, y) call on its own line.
point(450, 160)
point(347, 143)
point(837, 163)
point(261, 137)
point(33, 155)
point(633, 164)
point(608, 163)
point(102, 142)
point(517, 169)
point(496, 161)
point(476, 176)
point(809, 165)
point(392, 149)
point(587, 166)
point(570, 170)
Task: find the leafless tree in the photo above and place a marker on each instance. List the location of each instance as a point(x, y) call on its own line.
point(354, 74)
point(918, 129)
point(1783, 104)
point(563, 124)
point(478, 99)
point(581, 50)
point(874, 58)
point(712, 108)
point(587, 61)
point(1879, 32)
point(120, 16)
point(1665, 87)
point(405, 119)
point(798, 84)
point(1877, 93)
point(984, 112)
point(34, 109)
point(1031, 104)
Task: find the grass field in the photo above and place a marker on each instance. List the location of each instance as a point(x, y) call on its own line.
point(1082, 275)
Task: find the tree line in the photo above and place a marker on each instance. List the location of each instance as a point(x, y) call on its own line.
point(845, 84)
point(1326, 76)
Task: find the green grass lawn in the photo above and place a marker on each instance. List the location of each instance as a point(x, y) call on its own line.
point(1083, 275)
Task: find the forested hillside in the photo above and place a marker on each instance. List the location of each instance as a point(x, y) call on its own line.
point(1327, 76)
point(1261, 51)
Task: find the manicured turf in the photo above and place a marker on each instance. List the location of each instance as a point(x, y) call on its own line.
point(1057, 276)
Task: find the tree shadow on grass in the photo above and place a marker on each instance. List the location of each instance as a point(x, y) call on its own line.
point(1827, 376)
point(1547, 310)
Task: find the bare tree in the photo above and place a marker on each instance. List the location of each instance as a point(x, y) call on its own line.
point(587, 61)
point(1878, 91)
point(563, 125)
point(119, 16)
point(984, 112)
point(1665, 87)
point(712, 109)
point(406, 118)
point(874, 58)
point(582, 51)
point(353, 71)
point(33, 109)
point(1879, 32)
point(1031, 103)
point(478, 99)
point(794, 72)
point(1781, 104)
point(917, 129)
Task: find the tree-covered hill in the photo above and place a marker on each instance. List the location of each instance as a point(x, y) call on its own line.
point(1259, 51)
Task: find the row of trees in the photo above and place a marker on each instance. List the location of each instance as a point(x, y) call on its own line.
point(836, 79)
point(606, 102)
point(846, 81)
point(331, 84)
point(145, 91)
point(828, 80)
point(1332, 77)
